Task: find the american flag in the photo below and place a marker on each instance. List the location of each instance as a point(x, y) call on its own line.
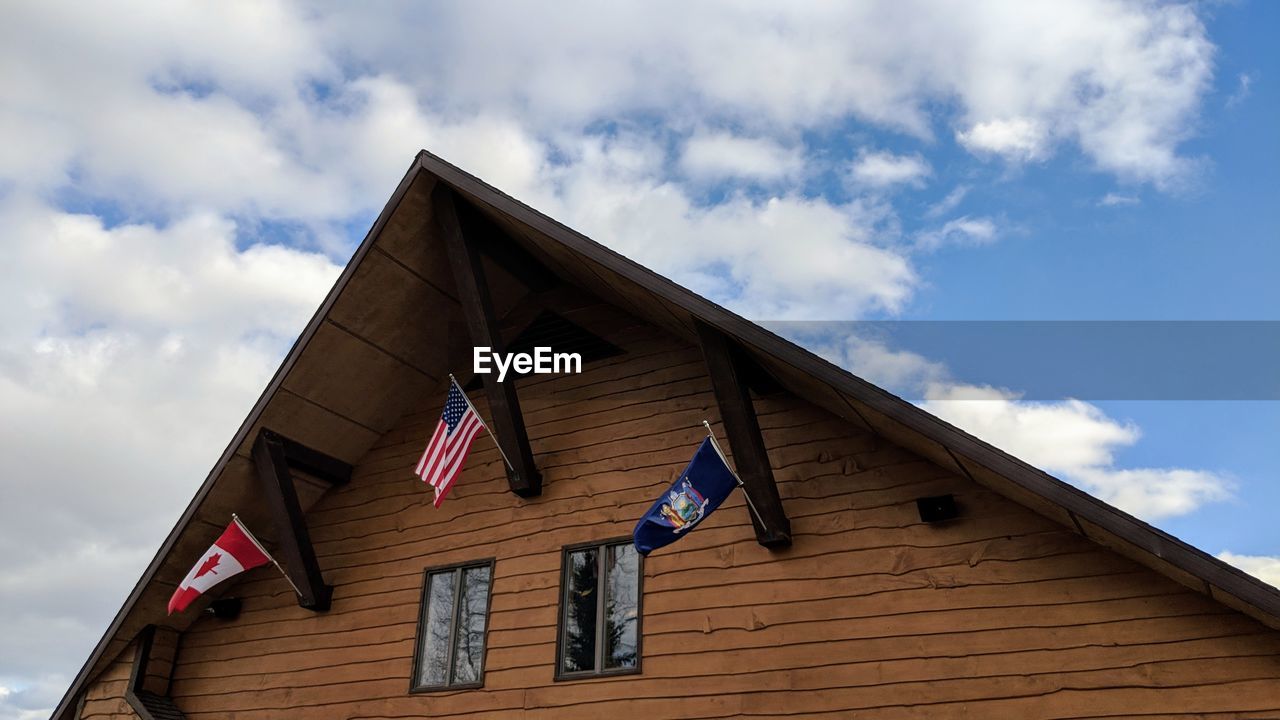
point(442, 461)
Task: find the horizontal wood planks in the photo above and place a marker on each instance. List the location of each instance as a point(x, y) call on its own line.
point(1002, 613)
point(104, 698)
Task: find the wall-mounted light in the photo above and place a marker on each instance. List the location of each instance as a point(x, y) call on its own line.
point(937, 508)
point(224, 608)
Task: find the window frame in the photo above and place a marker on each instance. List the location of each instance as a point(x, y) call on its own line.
point(600, 546)
point(458, 568)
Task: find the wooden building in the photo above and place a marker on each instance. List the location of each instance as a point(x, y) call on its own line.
point(520, 596)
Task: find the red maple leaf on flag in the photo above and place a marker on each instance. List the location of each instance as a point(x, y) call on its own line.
point(209, 565)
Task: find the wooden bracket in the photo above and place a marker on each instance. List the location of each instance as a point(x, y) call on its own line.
point(141, 657)
point(148, 689)
point(315, 463)
point(272, 457)
point(477, 308)
point(729, 375)
point(494, 243)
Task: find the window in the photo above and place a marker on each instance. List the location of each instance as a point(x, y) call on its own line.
point(451, 627)
point(599, 610)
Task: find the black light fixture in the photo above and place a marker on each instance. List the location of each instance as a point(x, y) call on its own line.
point(225, 608)
point(937, 508)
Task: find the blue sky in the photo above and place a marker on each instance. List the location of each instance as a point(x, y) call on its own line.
point(1208, 253)
point(180, 185)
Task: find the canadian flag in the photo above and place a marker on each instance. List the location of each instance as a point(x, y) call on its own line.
point(235, 551)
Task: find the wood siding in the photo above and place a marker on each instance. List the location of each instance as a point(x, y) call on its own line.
point(1002, 613)
point(104, 698)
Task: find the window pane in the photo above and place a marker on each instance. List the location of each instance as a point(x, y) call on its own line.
point(434, 660)
point(473, 602)
point(622, 577)
point(581, 596)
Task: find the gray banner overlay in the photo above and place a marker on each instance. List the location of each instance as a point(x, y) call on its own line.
point(1051, 360)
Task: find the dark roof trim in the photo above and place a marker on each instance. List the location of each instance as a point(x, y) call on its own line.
point(82, 677)
point(1190, 559)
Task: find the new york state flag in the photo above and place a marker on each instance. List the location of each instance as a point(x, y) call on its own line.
point(696, 493)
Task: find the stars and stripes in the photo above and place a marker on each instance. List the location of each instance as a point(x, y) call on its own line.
point(442, 461)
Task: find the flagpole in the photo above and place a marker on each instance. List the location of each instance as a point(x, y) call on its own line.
point(249, 535)
point(454, 380)
point(742, 485)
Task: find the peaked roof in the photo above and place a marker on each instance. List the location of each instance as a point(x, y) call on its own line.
point(395, 271)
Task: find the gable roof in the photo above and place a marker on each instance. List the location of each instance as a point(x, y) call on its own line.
point(394, 273)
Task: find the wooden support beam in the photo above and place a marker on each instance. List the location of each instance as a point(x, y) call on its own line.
point(494, 243)
point(138, 672)
point(477, 308)
point(149, 704)
point(141, 657)
point(272, 463)
point(728, 372)
point(315, 463)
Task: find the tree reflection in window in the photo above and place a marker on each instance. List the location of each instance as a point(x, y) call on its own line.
point(452, 631)
point(468, 653)
point(600, 610)
point(622, 570)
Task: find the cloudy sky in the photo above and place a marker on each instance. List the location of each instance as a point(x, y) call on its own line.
point(181, 183)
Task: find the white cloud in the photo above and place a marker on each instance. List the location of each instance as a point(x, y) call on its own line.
point(127, 355)
point(1154, 493)
point(1016, 138)
point(33, 699)
point(948, 203)
point(719, 156)
point(784, 257)
point(1265, 568)
point(1078, 442)
point(1121, 81)
point(164, 104)
point(880, 170)
point(1113, 199)
point(858, 350)
point(246, 107)
point(1244, 88)
point(1057, 436)
point(960, 231)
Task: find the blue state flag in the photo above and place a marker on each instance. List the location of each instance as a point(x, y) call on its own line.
point(699, 490)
